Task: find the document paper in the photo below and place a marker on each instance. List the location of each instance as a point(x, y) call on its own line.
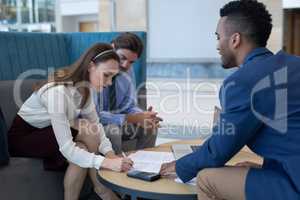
point(191, 182)
point(150, 161)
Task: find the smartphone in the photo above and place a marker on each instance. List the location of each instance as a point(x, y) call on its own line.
point(146, 176)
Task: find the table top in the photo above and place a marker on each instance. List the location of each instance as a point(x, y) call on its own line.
point(164, 186)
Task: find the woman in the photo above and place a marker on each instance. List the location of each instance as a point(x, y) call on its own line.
point(58, 123)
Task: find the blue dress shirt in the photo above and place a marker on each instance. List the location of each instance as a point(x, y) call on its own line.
point(126, 100)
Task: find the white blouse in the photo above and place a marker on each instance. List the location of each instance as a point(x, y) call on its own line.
point(59, 106)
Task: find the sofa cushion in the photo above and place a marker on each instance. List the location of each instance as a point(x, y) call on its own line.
point(12, 96)
point(4, 156)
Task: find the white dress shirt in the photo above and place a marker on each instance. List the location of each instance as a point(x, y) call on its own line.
point(59, 106)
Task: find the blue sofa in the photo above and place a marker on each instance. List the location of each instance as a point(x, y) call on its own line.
point(24, 178)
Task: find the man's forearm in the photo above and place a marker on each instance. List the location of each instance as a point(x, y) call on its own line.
point(110, 118)
point(131, 119)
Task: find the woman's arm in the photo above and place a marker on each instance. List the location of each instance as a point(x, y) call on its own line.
point(59, 104)
point(89, 112)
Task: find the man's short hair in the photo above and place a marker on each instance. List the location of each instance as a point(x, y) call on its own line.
point(129, 41)
point(250, 18)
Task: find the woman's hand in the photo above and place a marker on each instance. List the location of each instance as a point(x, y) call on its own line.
point(111, 155)
point(119, 164)
point(248, 164)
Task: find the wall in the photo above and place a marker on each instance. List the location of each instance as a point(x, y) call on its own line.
point(178, 31)
point(123, 15)
point(291, 4)
point(131, 15)
point(70, 12)
point(78, 7)
point(71, 23)
point(275, 42)
point(182, 30)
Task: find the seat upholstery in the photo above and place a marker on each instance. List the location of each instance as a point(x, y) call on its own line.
point(12, 99)
point(9, 100)
point(4, 155)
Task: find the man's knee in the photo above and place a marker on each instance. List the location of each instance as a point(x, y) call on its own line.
point(146, 138)
point(114, 134)
point(113, 131)
point(203, 177)
point(205, 182)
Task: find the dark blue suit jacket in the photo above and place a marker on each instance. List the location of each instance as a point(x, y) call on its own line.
point(260, 108)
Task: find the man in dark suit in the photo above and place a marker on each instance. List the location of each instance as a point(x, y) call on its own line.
point(260, 108)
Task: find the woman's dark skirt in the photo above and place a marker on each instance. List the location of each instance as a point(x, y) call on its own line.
point(25, 140)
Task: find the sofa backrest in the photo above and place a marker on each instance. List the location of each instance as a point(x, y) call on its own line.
point(22, 51)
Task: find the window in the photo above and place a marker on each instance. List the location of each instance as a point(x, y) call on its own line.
point(8, 12)
point(45, 10)
point(26, 11)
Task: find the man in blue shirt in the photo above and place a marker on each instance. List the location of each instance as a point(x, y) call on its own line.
point(260, 108)
point(117, 105)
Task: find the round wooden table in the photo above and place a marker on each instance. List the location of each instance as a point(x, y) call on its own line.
point(164, 188)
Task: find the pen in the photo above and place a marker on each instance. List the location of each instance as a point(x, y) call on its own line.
point(130, 161)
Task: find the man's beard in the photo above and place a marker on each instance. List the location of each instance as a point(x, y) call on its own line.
point(228, 61)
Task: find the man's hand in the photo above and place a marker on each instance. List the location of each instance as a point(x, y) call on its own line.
point(156, 120)
point(147, 119)
point(248, 164)
point(167, 168)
